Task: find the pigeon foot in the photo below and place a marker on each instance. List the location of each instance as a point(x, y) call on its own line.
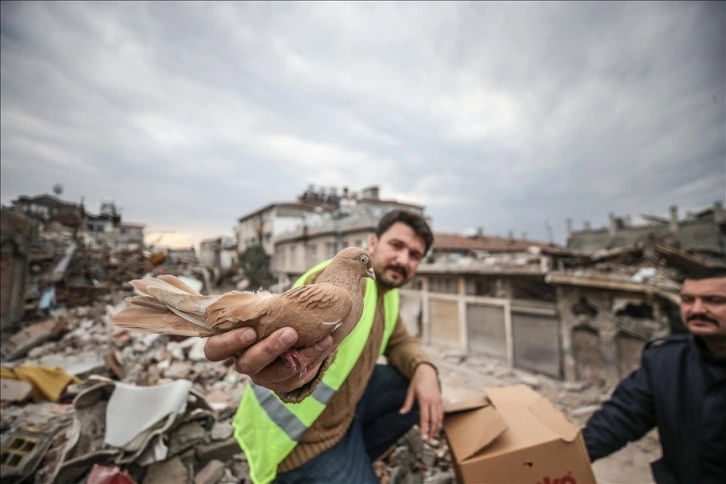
point(295, 359)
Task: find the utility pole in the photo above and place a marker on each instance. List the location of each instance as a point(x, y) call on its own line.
point(549, 226)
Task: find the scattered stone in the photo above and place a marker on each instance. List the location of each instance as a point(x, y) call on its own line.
point(79, 364)
point(15, 391)
point(441, 477)
point(585, 410)
point(529, 380)
point(165, 472)
point(455, 357)
point(186, 436)
point(428, 457)
point(211, 473)
point(31, 336)
point(223, 450)
point(178, 370)
point(222, 430)
point(575, 386)
point(218, 399)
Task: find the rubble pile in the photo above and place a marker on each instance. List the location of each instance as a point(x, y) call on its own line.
point(144, 406)
point(101, 423)
point(84, 402)
point(104, 366)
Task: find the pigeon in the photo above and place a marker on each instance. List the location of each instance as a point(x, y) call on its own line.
point(332, 304)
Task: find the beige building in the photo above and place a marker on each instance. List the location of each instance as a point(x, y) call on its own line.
point(487, 296)
point(263, 226)
point(219, 252)
point(349, 224)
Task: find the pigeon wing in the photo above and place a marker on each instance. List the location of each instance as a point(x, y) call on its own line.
point(314, 311)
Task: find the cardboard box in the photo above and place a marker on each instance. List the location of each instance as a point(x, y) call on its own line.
point(515, 435)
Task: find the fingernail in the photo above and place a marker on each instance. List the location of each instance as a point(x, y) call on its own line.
point(248, 336)
point(324, 343)
point(287, 337)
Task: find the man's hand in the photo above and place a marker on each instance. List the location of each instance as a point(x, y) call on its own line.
point(424, 388)
point(261, 360)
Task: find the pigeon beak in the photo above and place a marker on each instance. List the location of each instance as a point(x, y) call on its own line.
point(371, 274)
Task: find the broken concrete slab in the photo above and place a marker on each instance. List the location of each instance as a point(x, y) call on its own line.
point(222, 430)
point(20, 453)
point(211, 473)
point(186, 436)
point(79, 364)
point(164, 472)
point(224, 450)
point(218, 399)
point(22, 341)
point(178, 370)
point(15, 391)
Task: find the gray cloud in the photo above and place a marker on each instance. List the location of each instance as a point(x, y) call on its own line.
point(501, 115)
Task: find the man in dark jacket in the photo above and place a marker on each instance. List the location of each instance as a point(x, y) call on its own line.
point(680, 387)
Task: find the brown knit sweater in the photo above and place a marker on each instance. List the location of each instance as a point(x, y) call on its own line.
point(404, 352)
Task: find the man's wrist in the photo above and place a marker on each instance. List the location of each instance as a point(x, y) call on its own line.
point(427, 363)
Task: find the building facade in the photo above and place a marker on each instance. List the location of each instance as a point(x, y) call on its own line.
point(703, 232)
point(350, 223)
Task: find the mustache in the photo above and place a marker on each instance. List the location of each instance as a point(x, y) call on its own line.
point(398, 268)
point(701, 317)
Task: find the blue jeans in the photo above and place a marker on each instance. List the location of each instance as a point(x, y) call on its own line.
point(376, 426)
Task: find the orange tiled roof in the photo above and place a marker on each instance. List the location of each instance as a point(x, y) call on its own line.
point(457, 242)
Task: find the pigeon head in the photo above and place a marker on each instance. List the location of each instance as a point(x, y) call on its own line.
point(355, 259)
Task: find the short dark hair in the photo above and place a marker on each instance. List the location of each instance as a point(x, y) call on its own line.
point(417, 223)
point(706, 273)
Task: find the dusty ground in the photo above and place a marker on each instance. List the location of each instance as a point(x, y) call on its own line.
point(463, 376)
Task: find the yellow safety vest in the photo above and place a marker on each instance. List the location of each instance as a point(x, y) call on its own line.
point(268, 429)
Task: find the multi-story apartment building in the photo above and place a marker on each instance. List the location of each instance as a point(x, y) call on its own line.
point(263, 226)
point(348, 224)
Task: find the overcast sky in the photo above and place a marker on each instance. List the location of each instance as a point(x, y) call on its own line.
point(495, 115)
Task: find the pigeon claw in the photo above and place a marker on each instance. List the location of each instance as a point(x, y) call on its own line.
point(295, 360)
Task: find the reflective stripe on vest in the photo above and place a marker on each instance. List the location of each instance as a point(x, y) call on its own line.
point(268, 429)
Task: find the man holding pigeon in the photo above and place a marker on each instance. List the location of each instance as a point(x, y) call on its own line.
point(358, 409)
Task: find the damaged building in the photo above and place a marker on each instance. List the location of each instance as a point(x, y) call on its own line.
point(619, 286)
point(55, 252)
point(580, 313)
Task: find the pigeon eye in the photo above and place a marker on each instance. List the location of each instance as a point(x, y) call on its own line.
point(364, 260)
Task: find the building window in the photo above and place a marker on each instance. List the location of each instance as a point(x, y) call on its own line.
point(313, 254)
point(292, 255)
point(447, 285)
point(528, 288)
point(415, 284)
point(480, 287)
point(330, 249)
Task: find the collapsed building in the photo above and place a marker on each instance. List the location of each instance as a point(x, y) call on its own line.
point(579, 313)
